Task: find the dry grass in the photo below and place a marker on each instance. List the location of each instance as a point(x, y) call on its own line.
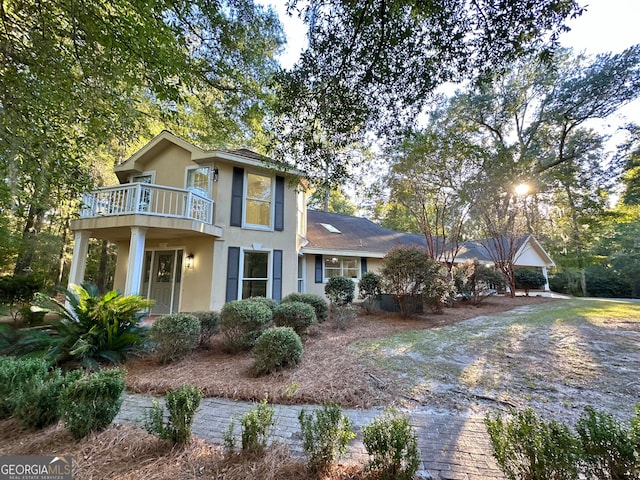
point(125, 452)
point(329, 371)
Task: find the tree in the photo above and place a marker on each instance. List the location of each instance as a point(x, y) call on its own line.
point(374, 65)
point(331, 200)
point(528, 279)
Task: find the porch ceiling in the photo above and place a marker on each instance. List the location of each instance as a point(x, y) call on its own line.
point(119, 227)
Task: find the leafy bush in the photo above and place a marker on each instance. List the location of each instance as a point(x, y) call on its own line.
point(15, 375)
point(96, 328)
point(269, 302)
point(318, 303)
point(256, 426)
point(393, 445)
point(209, 326)
point(529, 279)
point(370, 289)
point(342, 316)
point(175, 336)
point(181, 405)
point(242, 322)
point(325, 435)
point(18, 290)
point(527, 447)
point(604, 281)
point(408, 272)
point(277, 348)
point(38, 403)
point(92, 402)
point(610, 450)
point(475, 281)
point(297, 315)
point(340, 290)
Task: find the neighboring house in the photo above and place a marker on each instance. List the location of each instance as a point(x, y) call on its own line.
point(196, 229)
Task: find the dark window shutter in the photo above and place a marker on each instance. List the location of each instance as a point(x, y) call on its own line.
point(363, 265)
point(277, 275)
point(236, 197)
point(279, 219)
point(233, 273)
point(318, 268)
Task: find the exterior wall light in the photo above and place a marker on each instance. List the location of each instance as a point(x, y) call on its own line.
point(189, 261)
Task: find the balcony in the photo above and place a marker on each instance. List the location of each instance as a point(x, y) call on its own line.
point(147, 199)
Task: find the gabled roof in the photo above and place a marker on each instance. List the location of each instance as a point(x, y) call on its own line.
point(361, 237)
point(241, 156)
point(358, 236)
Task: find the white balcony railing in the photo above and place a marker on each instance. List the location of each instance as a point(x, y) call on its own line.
point(147, 199)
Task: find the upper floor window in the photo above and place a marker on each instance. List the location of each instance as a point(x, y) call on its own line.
point(198, 179)
point(341, 267)
point(259, 201)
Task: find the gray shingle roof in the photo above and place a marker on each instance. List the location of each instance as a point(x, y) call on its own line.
point(357, 234)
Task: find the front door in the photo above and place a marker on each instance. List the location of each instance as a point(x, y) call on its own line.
point(163, 274)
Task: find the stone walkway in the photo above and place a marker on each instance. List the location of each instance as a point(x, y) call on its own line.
point(452, 446)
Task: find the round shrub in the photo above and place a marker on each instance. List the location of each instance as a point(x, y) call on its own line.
point(269, 302)
point(318, 303)
point(92, 402)
point(175, 336)
point(242, 322)
point(297, 315)
point(277, 347)
point(209, 326)
point(340, 290)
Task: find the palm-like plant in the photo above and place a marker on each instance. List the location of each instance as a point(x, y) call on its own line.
point(93, 328)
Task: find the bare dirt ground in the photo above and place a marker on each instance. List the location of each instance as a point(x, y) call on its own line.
point(330, 369)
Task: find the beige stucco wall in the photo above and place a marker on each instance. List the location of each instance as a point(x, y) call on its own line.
point(120, 275)
point(169, 166)
point(373, 265)
point(530, 257)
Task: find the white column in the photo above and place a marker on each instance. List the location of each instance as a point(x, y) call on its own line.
point(546, 278)
point(136, 261)
point(79, 260)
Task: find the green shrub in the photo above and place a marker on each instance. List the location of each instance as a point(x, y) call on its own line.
point(175, 336)
point(297, 315)
point(325, 435)
point(209, 326)
point(31, 317)
point(393, 445)
point(527, 447)
point(269, 302)
point(529, 279)
point(609, 448)
point(318, 303)
point(256, 426)
point(96, 328)
point(38, 404)
point(242, 322)
point(276, 348)
point(340, 290)
point(15, 375)
point(92, 402)
point(370, 289)
point(17, 291)
point(181, 405)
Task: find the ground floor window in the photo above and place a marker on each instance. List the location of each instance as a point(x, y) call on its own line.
point(341, 267)
point(255, 274)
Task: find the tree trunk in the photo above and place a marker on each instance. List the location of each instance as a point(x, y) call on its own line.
point(30, 233)
point(102, 267)
point(63, 248)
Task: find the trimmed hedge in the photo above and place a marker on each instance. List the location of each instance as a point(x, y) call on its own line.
point(209, 326)
point(92, 402)
point(297, 315)
point(276, 348)
point(318, 303)
point(242, 322)
point(340, 290)
point(175, 336)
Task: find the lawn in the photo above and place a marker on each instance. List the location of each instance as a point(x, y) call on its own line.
point(557, 357)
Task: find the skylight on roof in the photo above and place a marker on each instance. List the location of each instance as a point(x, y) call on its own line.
point(330, 227)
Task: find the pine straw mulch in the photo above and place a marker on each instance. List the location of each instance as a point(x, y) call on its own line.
point(126, 452)
point(329, 371)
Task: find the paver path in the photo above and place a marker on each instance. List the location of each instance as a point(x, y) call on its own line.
point(453, 446)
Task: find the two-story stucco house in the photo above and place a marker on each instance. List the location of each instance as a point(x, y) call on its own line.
point(196, 229)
